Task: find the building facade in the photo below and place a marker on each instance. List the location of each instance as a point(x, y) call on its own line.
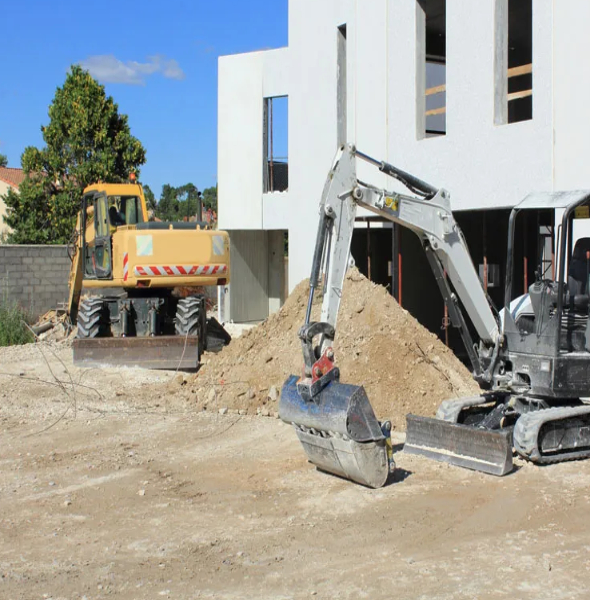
point(482, 98)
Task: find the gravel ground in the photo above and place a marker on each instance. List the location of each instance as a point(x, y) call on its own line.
point(114, 485)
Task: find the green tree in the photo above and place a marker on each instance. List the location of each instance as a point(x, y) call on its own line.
point(178, 203)
point(87, 140)
point(168, 205)
point(3, 160)
point(150, 197)
point(210, 198)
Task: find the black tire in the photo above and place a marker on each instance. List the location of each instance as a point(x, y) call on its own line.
point(192, 320)
point(91, 318)
point(189, 316)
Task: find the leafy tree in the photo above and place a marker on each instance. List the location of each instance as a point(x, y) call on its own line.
point(167, 209)
point(210, 198)
point(150, 197)
point(178, 203)
point(3, 160)
point(87, 140)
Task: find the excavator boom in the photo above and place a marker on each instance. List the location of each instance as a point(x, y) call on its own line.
point(322, 409)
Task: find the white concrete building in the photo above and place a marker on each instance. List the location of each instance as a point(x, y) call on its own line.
point(482, 97)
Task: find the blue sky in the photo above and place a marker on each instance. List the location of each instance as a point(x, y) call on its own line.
point(157, 59)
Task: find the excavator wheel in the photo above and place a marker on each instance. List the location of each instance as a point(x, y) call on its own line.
point(191, 319)
point(92, 321)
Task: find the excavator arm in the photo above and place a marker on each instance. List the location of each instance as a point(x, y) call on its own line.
point(430, 217)
point(325, 412)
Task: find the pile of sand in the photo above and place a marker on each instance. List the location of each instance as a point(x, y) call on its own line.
point(403, 367)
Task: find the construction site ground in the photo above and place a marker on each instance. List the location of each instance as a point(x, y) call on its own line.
point(117, 485)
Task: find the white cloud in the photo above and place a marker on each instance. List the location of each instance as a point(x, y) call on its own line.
point(109, 69)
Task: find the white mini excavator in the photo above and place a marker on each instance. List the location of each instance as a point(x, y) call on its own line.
point(532, 360)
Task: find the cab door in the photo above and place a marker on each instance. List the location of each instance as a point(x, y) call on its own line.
point(97, 237)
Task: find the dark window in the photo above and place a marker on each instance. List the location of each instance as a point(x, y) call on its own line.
point(341, 98)
point(125, 210)
point(520, 60)
point(276, 144)
point(432, 80)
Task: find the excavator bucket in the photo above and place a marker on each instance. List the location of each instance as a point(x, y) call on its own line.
point(339, 431)
point(489, 451)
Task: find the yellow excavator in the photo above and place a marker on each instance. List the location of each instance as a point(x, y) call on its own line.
point(141, 275)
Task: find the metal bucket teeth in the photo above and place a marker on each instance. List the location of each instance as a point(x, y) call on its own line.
point(339, 432)
point(478, 449)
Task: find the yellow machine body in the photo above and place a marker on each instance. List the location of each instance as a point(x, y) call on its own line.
point(150, 253)
point(119, 248)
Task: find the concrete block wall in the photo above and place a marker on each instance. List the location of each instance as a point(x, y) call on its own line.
point(34, 276)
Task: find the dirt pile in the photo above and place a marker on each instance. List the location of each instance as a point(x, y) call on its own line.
point(403, 366)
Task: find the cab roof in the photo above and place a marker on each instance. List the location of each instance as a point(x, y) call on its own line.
point(553, 199)
point(115, 189)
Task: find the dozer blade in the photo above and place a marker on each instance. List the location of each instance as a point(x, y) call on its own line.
point(462, 445)
point(339, 432)
point(158, 352)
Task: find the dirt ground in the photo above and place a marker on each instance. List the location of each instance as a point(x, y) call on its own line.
point(403, 366)
point(134, 493)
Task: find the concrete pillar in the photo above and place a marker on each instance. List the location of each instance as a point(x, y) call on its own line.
point(248, 288)
point(276, 270)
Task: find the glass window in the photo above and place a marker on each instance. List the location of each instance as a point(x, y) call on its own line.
point(101, 226)
point(125, 210)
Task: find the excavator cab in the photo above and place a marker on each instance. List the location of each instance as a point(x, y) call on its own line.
point(554, 330)
point(96, 237)
point(542, 363)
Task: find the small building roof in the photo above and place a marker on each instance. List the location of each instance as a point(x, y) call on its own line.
point(11, 176)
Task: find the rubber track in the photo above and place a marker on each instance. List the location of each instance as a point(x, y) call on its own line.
point(526, 434)
point(449, 410)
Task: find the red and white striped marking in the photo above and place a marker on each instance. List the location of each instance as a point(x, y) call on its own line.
point(125, 266)
point(179, 270)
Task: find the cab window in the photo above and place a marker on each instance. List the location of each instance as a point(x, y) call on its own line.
point(125, 210)
point(100, 217)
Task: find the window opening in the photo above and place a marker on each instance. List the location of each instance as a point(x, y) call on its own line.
point(514, 61)
point(546, 252)
point(433, 59)
point(276, 143)
point(342, 99)
point(97, 243)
